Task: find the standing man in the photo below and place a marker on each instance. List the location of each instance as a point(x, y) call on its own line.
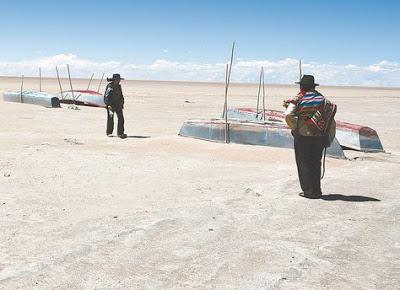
point(114, 100)
point(311, 117)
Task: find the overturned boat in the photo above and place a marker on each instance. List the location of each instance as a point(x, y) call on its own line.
point(249, 131)
point(349, 135)
point(273, 134)
point(82, 98)
point(358, 137)
point(32, 97)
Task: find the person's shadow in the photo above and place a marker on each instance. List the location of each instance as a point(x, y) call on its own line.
point(138, 136)
point(353, 198)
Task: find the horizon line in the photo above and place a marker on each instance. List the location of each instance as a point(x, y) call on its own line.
point(209, 82)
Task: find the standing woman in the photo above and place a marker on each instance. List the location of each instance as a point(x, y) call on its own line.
point(114, 100)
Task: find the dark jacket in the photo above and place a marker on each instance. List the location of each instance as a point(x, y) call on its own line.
point(113, 96)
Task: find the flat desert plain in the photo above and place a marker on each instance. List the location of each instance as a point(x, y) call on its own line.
point(79, 210)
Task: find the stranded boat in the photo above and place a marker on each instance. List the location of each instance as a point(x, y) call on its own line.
point(274, 134)
point(32, 97)
point(349, 135)
point(83, 98)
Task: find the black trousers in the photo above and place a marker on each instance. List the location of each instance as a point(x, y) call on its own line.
point(110, 121)
point(308, 151)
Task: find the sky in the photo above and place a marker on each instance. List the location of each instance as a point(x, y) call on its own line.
point(349, 42)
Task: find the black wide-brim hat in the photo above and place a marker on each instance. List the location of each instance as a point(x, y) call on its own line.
point(307, 80)
point(115, 77)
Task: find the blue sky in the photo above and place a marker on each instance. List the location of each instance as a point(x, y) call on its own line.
point(336, 32)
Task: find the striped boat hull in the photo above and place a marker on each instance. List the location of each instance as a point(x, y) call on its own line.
point(82, 98)
point(349, 135)
point(270, 134)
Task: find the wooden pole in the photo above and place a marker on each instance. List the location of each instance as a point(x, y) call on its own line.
point(258, 94)
point(22, 87)
point(263, 90)
point(59, 83)
point(300, 71)
point(90, 81)
point(98, 89)
point(229, 76)
point(40, 79)
point(230, 65)
point(70, 83)
point(226, 105)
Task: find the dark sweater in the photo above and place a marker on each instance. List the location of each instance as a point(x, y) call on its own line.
point(113, 96)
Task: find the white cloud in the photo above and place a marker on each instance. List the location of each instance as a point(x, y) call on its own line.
point(384, 73)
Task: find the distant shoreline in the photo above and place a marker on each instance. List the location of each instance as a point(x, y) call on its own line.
point(209, 83)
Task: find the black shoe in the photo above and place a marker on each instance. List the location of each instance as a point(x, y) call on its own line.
point(122, 136)
point(310, 196)
point(109, 134)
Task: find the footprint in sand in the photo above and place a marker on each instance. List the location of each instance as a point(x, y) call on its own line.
point(252, 192)
point(73, 141)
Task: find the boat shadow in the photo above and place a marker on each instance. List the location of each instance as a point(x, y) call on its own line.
point(351, 198)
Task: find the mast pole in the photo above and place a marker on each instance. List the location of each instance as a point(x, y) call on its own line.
point(40, 79)
point(59, 83)
point(226, 106)
point(258, 94)
point(263, 90)
point(90, 81)
point(22, 86)
point(300, 71)
point(70, 83)
point(227, 81)
point(229, 77)
point(98, 89)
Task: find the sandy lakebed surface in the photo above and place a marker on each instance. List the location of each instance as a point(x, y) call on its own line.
point(79, 210)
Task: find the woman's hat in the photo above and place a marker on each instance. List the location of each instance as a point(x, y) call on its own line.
point(115, 77)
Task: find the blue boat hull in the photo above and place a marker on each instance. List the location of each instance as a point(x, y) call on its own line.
point(32, 97)
point(270, 134)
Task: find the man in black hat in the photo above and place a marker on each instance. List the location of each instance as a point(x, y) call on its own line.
point(311, 117)
point(114, 100)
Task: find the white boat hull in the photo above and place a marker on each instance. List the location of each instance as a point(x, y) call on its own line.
point(32, 97)
point(267, 134)
point(349, 135)
point(82, 98)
